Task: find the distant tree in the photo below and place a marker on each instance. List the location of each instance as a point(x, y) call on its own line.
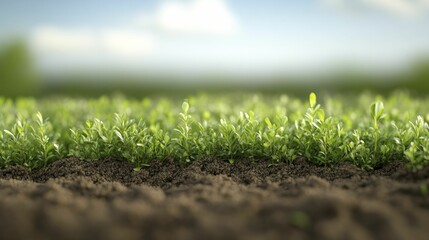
point(420, 74)
point(17, 73)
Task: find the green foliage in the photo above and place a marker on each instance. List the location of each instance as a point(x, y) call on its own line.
point(418, 151)
point(318, 138)
point(125, 139)
point(30, 143)
point(233, 128)
point(185, 140)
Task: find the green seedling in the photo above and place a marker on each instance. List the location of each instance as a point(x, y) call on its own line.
point(377, 110)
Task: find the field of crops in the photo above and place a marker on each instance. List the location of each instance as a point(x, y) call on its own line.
point(215, 166)
point(367, 130)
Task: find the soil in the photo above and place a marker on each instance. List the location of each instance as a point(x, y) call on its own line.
point(212, 199)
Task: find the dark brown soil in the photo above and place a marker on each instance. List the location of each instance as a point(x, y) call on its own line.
point(210, 199)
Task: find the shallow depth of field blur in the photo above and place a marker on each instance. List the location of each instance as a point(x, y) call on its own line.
point(138, 48)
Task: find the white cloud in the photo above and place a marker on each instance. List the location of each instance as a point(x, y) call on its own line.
point(128, 44)
point(402, 8)
point(132, 43)
point(63, 41)
point(205, 17)
point(69, 42)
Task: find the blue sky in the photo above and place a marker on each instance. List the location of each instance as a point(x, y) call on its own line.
point(237, 36)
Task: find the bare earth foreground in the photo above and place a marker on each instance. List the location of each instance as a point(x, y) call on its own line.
point(73, 199)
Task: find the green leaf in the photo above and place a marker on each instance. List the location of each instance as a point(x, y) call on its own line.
point(373, 111)
point(10, 133)
point(185, 107)
point(119, 135)
point(377, 110)
point(268, 122)
point(39, 118)
point(313, 100)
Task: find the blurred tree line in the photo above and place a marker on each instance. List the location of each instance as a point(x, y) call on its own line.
point(18, 76)
point(418, 76)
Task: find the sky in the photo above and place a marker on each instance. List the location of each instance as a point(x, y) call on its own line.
point(244, 37)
